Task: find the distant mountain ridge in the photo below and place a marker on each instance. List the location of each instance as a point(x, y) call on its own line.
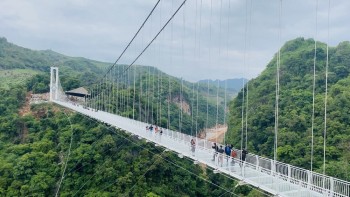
point(234, 84)
point(15, 59)
point(77, 71)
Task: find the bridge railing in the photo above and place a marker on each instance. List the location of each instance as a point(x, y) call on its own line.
point(304, 178)
point(319, 183)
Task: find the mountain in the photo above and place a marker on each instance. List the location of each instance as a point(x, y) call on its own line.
point(295, 108)
point(233, 85)
point(19, 65)
point(39, 146)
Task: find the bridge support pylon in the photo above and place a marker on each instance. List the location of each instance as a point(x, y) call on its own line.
point(53, 83)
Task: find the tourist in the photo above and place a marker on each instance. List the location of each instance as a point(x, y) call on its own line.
point(193, 146)
point(227, 151)
point(244, 153)
point(233, 155)
point(221, 154)
point(215, 147)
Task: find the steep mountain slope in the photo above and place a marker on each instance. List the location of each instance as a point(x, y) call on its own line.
point(295, 108)
point(76, 72)
point(103, 161)
point(157, 98)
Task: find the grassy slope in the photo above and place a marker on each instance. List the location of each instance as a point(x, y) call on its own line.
point(15, 77)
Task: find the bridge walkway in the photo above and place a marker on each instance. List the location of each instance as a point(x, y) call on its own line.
point(255, 171)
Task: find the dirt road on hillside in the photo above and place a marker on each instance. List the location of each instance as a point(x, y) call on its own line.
point(215, 134)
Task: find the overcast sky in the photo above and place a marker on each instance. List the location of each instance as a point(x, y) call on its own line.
point(215, 39)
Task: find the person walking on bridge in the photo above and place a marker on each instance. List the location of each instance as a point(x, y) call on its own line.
point(193, 147)
point(151, 128)
point(160, 134)
point(244, 153)
point(228, 152)
point(234, 156)
point(215, 147)
point(221, 155)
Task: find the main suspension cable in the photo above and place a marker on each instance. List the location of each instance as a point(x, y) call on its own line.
point(155, 37)
point(144, 22)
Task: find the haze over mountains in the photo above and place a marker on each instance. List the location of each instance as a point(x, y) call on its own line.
point(233, 85)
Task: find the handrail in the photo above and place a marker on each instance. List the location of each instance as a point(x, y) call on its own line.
point(299, 174)
point(303, 178)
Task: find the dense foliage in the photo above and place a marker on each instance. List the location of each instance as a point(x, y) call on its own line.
point(15, 60)
point(151, 88)
point(102, 162)
point(295, 108)
point(160, 99)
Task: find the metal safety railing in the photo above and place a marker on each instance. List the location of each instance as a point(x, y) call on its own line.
point(314, 181)
point(302, 178)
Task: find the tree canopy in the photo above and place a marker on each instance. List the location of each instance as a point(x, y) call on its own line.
point(103, 161)
point(295, 108)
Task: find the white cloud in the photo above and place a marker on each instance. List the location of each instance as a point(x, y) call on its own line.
point(101, 29)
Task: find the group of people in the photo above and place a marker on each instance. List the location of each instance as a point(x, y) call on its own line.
point(219, 151)
point(229, 152)
point(156, 129)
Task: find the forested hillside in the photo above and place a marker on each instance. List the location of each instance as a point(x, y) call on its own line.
point(154, 97)
point(34, 149)
point(102, 161)
point(295, 108)
point(15, 59)
point(18, 65)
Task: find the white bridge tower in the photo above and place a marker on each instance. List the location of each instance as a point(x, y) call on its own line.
point(54, 83)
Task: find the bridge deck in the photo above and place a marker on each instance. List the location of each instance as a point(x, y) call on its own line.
point(250, 172)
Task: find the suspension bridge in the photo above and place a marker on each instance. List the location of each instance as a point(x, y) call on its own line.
point(102, 103)
point(274, 177)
